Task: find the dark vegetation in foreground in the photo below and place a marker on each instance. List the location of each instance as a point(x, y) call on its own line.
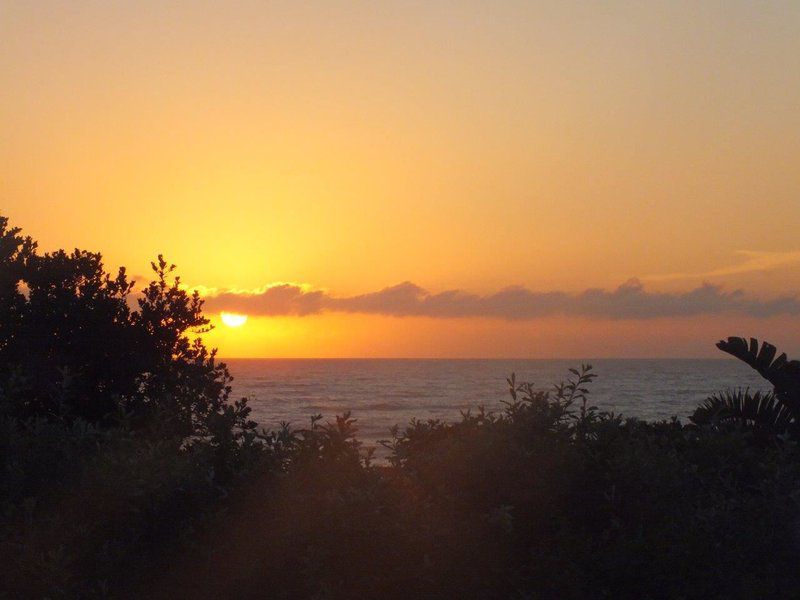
point(126, 472)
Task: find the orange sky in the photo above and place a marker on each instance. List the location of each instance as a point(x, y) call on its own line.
point(458, 145)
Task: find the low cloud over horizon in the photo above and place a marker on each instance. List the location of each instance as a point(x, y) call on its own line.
point(628, 301)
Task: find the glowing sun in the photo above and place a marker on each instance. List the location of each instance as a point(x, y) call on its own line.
point(233, 319)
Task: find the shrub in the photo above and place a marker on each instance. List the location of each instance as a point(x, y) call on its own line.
point(550, 498)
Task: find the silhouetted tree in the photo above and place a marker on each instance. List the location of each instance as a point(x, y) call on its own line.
point(14, 249)
point(71, 345)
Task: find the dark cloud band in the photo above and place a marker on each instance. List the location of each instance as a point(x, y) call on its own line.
point(628, 301)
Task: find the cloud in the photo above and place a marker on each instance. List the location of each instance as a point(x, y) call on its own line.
point(272, 300)
point(753, 261)
point(628, 301)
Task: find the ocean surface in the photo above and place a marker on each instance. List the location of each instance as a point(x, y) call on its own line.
point(384, 392)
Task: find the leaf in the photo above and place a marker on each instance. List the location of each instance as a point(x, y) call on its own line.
point(759, 410)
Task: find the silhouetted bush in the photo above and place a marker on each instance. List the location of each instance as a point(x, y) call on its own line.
point(550, 498)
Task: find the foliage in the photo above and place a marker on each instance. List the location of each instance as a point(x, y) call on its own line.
point(71, 345)
point(86, 509)
point(771, 416)
point(125, 471)
point(549, 498)
point(116, 429)
point(781, 372)
point(759, 411)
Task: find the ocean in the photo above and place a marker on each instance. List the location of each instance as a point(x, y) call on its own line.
point(383, 392)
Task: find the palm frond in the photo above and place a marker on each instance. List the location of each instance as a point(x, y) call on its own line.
point(781, 372)
point(759, 410)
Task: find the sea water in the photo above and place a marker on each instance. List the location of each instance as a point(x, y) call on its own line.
point(380, 393)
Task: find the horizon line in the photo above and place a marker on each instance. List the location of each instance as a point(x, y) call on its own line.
point(465, 358)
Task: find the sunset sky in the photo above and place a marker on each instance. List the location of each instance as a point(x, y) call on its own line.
point(465, 179)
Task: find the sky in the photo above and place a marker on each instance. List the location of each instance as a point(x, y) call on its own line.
point(431, 179)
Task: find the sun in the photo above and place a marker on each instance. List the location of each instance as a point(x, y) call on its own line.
point(233, 319)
